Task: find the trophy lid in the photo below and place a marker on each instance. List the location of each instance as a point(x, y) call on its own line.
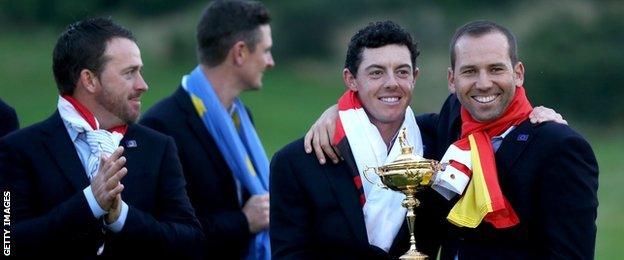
point(408, 170)
point(406, 155)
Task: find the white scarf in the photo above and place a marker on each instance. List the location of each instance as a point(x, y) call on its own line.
point(383, 213)
point(100, 141)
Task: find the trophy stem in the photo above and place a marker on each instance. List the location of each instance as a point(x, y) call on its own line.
point(410, 203)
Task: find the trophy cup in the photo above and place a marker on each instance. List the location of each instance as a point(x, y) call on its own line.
point(408, 174)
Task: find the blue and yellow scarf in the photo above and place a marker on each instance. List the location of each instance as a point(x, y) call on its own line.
point(241, 149)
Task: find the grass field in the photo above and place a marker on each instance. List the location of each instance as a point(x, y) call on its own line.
point(292, 97)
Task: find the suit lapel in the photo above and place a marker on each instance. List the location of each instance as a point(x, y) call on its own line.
point(132, 147)
point(63, 151)
point(513, 145)
point(348, 197)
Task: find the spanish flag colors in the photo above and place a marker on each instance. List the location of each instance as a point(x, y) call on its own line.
point(482, 197)
point(472, 171)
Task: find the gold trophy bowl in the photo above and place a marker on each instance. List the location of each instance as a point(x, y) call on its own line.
point(408, 173)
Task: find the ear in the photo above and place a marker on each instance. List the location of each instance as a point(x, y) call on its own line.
point(88, 80)
point(451, 80)
point(349, 79)
point(416, 73)
point(239, 52)
point(519, 73)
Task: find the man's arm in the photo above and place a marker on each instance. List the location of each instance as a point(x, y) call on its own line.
point(568, 201)
point(290, 228)
point(318, 138)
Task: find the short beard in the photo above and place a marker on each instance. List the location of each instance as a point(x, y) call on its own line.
point(115, 107)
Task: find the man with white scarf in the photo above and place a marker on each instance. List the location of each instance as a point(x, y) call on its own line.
point(330, 210)
point(87, 181)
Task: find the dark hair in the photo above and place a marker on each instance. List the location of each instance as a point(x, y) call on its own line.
point(479, 28)
point(82, 46)
point(375, 35)
point(224, 23)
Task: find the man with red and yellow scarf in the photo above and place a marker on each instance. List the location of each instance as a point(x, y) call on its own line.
point(517, 190)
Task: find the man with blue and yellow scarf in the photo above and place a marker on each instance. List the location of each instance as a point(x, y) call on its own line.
point(224, 163)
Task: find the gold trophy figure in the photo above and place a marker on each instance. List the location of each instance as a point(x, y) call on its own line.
point(408, 173)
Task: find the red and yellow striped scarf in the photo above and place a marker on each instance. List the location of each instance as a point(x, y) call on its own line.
point(483, 198)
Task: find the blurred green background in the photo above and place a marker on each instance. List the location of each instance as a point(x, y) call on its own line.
point(572, 50)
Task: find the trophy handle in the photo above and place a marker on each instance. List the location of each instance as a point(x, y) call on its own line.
point(438, 167)
point(366, 170)
point(442, 166)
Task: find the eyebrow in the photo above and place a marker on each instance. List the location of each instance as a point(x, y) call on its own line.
point(132, 67)
point(498, 64)
point(404, 65)
point(466, 67)
point(377, 66)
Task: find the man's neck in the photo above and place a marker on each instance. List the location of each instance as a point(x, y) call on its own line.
point(105, 118)
point(226, 85)
point(388, 131)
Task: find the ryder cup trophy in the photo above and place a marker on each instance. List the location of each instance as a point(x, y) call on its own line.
point(408, 174)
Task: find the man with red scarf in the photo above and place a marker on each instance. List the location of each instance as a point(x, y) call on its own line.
point(525, 191)
point(87, 181)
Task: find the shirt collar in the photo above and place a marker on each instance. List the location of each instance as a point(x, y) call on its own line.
point(73, 134)
point(502, 136)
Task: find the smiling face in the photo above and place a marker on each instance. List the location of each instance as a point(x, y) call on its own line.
point(484, 79)
point(121, 81)
point(384, 83)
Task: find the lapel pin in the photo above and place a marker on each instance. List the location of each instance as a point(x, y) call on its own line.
point(131, 144)
point(523, 137)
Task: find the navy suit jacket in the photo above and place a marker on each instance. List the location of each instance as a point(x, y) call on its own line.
point(50, 216)
point(548, 173)
point(316, 211)
point(8, 119)
point(210, 183)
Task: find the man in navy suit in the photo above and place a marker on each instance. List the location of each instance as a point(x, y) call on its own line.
point(547, 172)
point(328, 211)
point(88, 181)
point(234, 49)
point(8, 119)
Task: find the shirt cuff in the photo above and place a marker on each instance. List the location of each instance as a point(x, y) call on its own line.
point(119, 224)
point(93, 204)
point(452, 179)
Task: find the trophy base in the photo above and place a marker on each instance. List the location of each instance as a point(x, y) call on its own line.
point(413, 255)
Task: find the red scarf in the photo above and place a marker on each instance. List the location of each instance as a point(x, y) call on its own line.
point(348, 100)
point(502, 214)
point(88, 116)
point(514, 114)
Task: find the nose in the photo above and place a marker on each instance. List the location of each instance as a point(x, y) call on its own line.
point(140, 84)
point(270, 61)
point(483, 82)
point(391, 82)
